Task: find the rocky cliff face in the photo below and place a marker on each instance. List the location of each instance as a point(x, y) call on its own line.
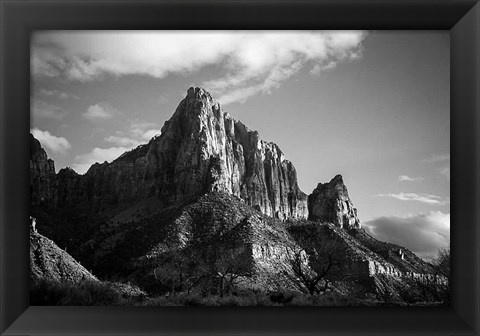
point(42, 176)
point(71, 187)
point(201, 149)
point(330, 202)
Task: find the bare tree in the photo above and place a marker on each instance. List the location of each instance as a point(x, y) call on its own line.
point(181, 272)
point(436, 286)
point(229, 266)
point(310, 269)
point(442, 263)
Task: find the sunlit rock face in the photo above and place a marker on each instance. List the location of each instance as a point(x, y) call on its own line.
point(212, 152)
point(330, 202)
point(201, 149)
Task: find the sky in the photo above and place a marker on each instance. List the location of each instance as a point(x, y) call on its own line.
point(373, 106)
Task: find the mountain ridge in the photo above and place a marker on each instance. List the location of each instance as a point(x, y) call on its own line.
point(205, 180)
point(200, 149)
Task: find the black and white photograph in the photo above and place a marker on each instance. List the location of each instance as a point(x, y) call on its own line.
point(240, 168)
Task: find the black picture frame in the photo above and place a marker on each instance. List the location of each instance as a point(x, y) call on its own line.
point(19, 18)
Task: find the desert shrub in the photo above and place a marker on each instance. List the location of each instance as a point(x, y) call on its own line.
point(229, 300)
point(175, 299)
point(161, 301)
point(331, 299)
point(257, 298)
point(252, 298)
point(245, 298)
point(236, 300)
point(281, 297)
point(84, 293)
point(192, 299)
point(47, 293)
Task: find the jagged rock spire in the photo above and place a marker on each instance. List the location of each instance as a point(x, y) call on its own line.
point(330, 202)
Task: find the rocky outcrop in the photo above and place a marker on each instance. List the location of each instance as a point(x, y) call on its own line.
point(51, 263)
point(42, 176)
point(201, 149)
point(330, 202)
point(352, 259)
point(71, 187)
point(55, 277)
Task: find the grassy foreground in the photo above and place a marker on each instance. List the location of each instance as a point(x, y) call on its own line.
point(96, 293)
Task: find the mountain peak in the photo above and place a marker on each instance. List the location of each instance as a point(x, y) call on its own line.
point(198, 93)
point(338, 179)
point(201, 149)
point(330, 202)
point(197, 103)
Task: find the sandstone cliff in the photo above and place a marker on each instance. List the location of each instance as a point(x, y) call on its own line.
point(42, 176)
point(201, 149)
point(330, 202)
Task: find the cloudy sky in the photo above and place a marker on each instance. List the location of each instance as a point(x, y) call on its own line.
point(372, 106)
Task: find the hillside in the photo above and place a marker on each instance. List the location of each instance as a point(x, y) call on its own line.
point(51, 263)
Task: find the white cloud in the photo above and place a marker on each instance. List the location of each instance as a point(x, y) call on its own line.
point(58, 94)
point(42, 109)
point(122, 141)
point(438, 158)
point(151, 133)
point(98, 111)
point(317, 69)
point(139, 132)
point(230, 93)
point(442, 160)
point(254, 62)
point(100, 155)
point(51, 142)
point(405, 178)
point(265, 60)
point(423, 234)
point(143, 131)
point(424, 198)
